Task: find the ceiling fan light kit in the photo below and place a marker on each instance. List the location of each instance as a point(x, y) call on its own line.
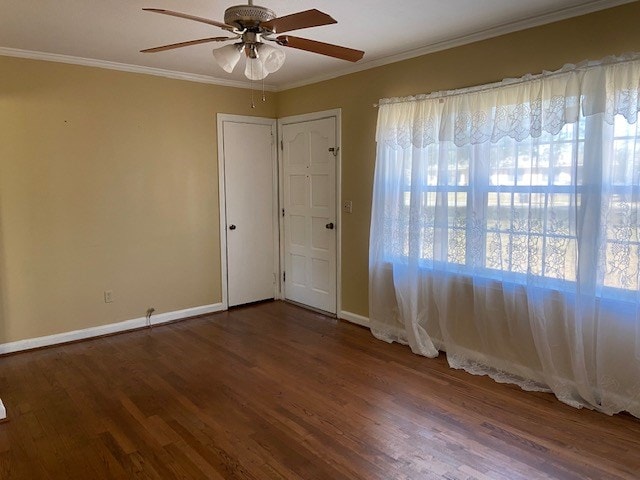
point(272, 58)
point(254, 69)
point(253, 25)
point(228, 56)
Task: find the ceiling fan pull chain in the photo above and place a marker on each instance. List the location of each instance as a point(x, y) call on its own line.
point(264, 98)
point(253, 104)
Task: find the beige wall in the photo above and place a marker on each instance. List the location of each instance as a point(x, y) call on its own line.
point(593, 36)
point(108, 180)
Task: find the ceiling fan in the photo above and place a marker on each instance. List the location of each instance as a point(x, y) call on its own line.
point(252, 25)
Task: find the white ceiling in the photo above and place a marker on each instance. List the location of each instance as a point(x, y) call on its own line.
point(96, 32)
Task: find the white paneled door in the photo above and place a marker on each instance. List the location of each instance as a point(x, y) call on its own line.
point(250, 208)
point(309, 194)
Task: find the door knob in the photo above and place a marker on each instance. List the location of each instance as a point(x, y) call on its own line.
point(232, 227)
point(329, 226)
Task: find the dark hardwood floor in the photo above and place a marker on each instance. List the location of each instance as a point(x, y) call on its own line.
point(272, 391)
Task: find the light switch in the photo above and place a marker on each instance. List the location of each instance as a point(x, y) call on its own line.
point(347, 206)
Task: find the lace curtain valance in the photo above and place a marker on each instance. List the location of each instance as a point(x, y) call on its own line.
point(516, 108)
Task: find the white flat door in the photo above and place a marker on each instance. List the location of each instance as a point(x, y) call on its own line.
point(309, 194)
point(250, 201)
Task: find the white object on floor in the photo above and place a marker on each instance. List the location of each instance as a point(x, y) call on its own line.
point(3, 411)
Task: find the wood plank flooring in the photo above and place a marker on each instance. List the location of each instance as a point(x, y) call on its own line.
point(273, 391)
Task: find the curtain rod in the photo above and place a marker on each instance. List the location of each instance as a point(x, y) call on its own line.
point(507, 82)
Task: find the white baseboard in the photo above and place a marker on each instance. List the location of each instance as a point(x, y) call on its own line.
point(100, 330)
point(354, 318)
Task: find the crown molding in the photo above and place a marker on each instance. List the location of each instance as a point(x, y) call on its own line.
point(492, 32)
point(125, 67)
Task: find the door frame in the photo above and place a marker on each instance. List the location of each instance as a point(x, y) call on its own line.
point(222, 199)
point(307, 117)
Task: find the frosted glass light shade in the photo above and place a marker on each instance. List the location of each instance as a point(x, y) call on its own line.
point(228, 56)
point(254, 69)
point(272, 58)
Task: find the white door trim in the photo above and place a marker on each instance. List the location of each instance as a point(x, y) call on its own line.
point(307, 117)
point(226, 117)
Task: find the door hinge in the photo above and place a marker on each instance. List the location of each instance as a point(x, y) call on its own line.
point(334, 151)
point(281, 145)
point(272, 139)
point(283, 212)
point(284, 276)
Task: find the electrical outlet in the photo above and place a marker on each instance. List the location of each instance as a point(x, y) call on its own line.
point(108, 296)
point(347, 206)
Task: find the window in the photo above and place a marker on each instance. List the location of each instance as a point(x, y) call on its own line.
point(505, 230)
point(513, 207)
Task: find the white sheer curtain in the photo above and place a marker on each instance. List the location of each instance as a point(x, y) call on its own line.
point(505, 231)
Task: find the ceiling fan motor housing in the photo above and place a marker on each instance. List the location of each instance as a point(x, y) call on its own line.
point(247, 16)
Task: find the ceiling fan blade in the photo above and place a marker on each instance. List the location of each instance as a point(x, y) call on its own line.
point(186, 44)
point(296, 21)
point(189, 17)
point(314, 46)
